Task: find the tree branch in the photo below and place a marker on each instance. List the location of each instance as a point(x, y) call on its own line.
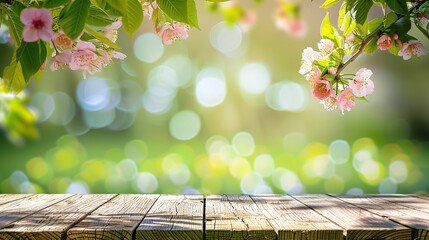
point(359, 52)
point(366, 41)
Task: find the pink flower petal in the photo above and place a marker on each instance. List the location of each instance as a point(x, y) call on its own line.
point(28, 14)
point(29, 34)
point(46, 34)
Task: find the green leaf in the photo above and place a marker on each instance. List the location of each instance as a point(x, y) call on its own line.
point(232, 14)
point(101, 37)
point(372, 46)
point(342, 15)
point(97, 17)
point(389, 19)
point(31, 55)
point(375, 25)
point(132, 16)
point(14, 78)
point(394, 50)
point(26, 62)
point(401, 26)
point(72, 20)
point(399, 6)
point(329, 3)
point(326, 30)
point(363, 29)
point(362, 98)
point(55, 3)
point(423, 31)
point(362, 9)
point(180, 10)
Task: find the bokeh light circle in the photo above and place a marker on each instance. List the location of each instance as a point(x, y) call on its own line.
point(243, 144)
point(264, 165)
point(210, 91)
point(65, 109)
point(286, 96)
point(339, 151)
point(146, 182)
point(225, 38)
point(148, 47)
point(254, 78)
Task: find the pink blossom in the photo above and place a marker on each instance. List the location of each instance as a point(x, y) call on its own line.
point(326, 48)
point(332, 70)
point(248, 20)
point(412, 48)
point(61, 60)
point(395, 37)
point(330, 103)
point(307, 60)
point(38, 24)
point(171, 32)
point(399, 43)
point(351, 37)
point(345, 101)
point(361, 85)
point(384, 42)
point(296, 27)
point(8, 37)
point(82, 56)
point(314, 75)
point(111, 31)
point(148, 9)
point(321, 89)
point(62, 40)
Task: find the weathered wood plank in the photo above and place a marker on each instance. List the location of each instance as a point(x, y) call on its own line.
point(235, 217)
point(115, 219)
point(358, 223)
point(173, 217)
point(410, 200)
point(53, 222)
point(6, 198)
point(21, 208)
point(397, 212)
point(293, 220)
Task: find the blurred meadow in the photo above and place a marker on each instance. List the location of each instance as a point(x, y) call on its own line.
point(224, 111)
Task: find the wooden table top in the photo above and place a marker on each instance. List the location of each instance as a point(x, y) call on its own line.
point(152, 216)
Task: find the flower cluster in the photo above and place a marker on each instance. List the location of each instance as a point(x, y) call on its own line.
point(333, 91)
point(167, 29)
point(288, 18)
point(74, 53)
point(323, 68)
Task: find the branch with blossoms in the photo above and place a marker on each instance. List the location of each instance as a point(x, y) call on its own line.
point(323, 69)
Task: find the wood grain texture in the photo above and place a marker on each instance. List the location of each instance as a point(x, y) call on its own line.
point(358, 223)
point(115, 219)
point(53, 222)
point(21, 208)
point(235, 217)
point(173, 217)
point(293, 220)
point(397, 212)
point(6, 198)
